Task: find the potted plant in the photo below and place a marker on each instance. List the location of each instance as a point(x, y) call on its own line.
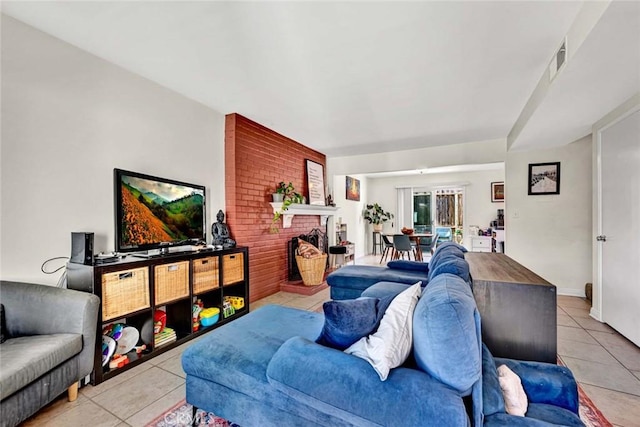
point(288, 196)
point(376, 216)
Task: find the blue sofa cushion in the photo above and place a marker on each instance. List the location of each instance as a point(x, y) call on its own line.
point(492, 399)
point(453, 265)
point(402, 264)
point(383, 289)
point(345, 322)
point(445, 340)
point(444, 251)
point(348, 282)
point(346, 387)
point(538, 415)
point(444, 245)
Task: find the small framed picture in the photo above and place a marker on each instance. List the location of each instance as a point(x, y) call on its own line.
point(353, 189)
point(544, 178)
point(497, 192)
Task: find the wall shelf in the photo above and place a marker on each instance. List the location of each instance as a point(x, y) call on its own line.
point(299, 209)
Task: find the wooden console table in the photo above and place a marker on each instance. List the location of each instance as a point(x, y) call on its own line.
point(517, 307)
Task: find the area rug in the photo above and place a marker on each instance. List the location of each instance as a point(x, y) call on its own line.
point(180, 415)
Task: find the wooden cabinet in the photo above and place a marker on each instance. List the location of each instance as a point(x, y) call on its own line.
point(517, 308)
point(136, 291)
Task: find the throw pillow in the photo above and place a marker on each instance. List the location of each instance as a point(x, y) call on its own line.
point(409, 265)
point(390, 346)
point(307, 250)
point(515, 399)
point(3, 326)
point(346, 321)
point(446, 343)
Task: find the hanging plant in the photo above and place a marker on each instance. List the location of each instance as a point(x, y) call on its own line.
point(289, 197)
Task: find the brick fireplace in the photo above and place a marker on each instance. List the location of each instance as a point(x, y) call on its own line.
point(256, 160)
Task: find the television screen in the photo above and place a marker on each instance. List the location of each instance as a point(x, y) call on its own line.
point(152, 212)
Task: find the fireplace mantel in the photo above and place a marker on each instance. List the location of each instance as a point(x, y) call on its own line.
point(299, 209)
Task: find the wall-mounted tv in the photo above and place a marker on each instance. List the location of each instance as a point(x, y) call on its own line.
point(153, 212)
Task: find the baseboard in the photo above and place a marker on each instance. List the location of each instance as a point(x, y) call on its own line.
point(571, 292)
point(595, 314)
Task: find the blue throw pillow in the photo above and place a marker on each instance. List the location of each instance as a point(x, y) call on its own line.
point(346, 321)
point(409, 265)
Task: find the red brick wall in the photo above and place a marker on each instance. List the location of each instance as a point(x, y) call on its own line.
point(256, 160)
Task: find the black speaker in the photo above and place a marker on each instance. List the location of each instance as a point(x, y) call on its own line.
point(82, 248)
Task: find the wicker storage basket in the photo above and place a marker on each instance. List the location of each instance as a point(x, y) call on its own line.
point(205, 274)
point(124, 292)
point(312, 269)
point(232, 268)
point(171, 282)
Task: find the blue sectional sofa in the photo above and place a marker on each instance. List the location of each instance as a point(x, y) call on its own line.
point(266, 369)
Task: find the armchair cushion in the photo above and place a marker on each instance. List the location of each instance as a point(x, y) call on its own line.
point(402, 264)
point(345, 322)
point(25, 359)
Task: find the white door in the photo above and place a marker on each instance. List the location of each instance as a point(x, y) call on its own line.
point(620, 218)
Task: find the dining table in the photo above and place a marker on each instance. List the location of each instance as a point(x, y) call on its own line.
point(415, 238)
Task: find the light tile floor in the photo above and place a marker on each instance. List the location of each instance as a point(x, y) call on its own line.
point(606, 365)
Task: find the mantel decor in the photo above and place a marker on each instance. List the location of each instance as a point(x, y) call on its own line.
point(544, 178)
point(315, 182)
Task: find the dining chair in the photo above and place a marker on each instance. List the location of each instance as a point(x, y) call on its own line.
point(427, 245)
point(388, 248)
point(402, 245)
point(444, 234)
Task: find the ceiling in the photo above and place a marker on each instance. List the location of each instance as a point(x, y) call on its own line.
point(340, 77)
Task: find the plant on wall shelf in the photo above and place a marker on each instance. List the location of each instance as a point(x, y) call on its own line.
point(289, 197)
point(376, 215)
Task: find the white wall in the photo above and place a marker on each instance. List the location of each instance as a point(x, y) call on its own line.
point(479, 210)
point(350, 212)
point(551, 235)
point(68, 119)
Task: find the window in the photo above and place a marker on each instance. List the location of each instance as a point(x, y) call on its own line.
point(422, 222)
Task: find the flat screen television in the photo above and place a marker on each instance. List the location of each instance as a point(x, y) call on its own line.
point(153, 212)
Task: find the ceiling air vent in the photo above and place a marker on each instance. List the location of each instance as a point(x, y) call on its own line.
point(559, 59)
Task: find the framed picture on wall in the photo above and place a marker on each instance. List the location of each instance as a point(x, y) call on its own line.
point(353, 189)
point(315, 182)
point(497, 192)
point(544, 178)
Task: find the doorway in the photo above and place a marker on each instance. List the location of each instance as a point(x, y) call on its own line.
point(617, 223)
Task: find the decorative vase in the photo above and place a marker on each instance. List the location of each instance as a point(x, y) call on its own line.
point(277, 197)
point(377, 228)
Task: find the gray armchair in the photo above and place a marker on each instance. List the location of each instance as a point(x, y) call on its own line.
point(50, 345)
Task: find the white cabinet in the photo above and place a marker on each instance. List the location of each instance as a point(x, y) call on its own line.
point(480, 244)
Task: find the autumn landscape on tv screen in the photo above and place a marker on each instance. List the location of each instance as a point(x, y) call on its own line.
point(155, 212)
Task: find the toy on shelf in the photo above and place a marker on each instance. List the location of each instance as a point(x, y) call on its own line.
point(209, 316)
point(227, 308)
point(195, 314)
point(118, 361)
point(159, 321)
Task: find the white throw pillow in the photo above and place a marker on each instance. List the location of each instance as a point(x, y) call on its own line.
point(390, 345)
point(515, 399)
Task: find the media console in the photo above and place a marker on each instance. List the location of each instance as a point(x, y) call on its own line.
point(134, 290)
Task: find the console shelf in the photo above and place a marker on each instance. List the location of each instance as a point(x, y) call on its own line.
point(132, 290)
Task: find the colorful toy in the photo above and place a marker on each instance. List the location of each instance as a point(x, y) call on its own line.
point(197, 308)
point(209, 316)
point(159, 321)
point(118, 361)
